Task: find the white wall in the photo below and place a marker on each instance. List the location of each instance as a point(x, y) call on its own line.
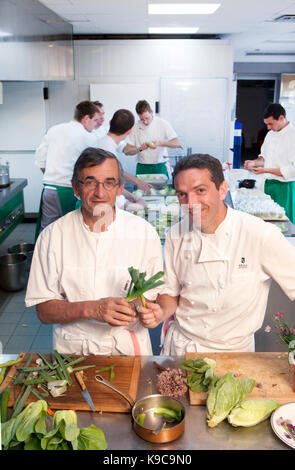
point(136, 61)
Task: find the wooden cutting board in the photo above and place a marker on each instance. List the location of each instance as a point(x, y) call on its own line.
point(127, 371)
point(270, 369)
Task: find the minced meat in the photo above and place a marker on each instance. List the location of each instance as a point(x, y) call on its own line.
point(172, 382)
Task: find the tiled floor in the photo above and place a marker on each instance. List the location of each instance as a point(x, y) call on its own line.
point(20, 328)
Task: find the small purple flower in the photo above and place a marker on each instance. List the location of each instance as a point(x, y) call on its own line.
point(267, 329)
point(287, 435)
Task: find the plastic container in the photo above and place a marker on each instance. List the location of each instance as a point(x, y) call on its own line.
point(13, 271)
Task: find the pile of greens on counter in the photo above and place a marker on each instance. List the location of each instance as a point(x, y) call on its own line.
point(42, 378)
point(29, 429)
point(226, 395)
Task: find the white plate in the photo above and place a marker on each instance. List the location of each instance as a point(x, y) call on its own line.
point(286, 411)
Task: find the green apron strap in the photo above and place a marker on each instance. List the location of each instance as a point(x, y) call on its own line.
point(67, 201)
point(38, 223)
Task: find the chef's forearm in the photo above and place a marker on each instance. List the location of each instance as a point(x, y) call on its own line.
point(61, 311)
point(273, 171)
point(130, 150)
point(168, 305)
point(173, 143)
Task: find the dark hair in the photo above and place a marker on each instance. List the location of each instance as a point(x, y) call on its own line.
point(85, 108)
point(142, 106)
point(98, 104)
point(92, 157)
point(201, 162)
point(121, 122)
point(274, 110)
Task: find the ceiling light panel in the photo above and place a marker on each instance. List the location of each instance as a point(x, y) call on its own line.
point(182, 8)
point(167, 30)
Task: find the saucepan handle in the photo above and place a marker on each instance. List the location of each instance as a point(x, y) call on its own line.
point(125, 395)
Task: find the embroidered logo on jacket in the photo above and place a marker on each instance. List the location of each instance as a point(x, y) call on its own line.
point(243, 264)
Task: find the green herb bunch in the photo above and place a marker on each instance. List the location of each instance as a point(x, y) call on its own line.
point(139, 285)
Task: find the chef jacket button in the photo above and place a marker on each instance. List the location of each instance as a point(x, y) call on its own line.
point(188, 256)
point(192, 302)
point(188, 318)
point(188, 283)
point(214, 309)
point(222, 285)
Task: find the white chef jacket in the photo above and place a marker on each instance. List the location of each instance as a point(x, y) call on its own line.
point(223, 280)
point(158, 129)
point(59, 150)
point(278, 151)
point(100, 132)
point(73, 264)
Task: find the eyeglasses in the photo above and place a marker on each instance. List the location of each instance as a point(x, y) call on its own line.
point(91, 183)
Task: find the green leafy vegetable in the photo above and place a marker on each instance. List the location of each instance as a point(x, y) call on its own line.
point(224, 394)
point(139, 285)
point(21, 427)
point(29, 428)
point(111, 369)
point(169, 413)
point(202, 373)
point(251, 412)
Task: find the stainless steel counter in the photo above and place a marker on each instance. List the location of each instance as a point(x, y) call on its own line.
point(16, 185)
point(119, 434)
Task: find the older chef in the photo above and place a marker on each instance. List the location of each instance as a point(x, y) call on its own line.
point(56, 156)
point(149, 140)
point(218, 274)
point(277, 159)
point(79, 274)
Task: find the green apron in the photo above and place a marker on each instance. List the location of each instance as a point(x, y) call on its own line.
point(283, 194)
point(67, 201)
point(153, 168)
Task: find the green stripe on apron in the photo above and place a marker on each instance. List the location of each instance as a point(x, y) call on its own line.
point(151, 168)
point(67, 201)
point(283, 194)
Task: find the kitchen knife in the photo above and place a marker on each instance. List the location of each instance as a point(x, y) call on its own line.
point(85, 392)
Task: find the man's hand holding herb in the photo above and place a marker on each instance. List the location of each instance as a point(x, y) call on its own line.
point(115, 311)
point(151, 315)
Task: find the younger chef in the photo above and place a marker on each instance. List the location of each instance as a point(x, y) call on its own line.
point(277, 159)
point(217, 273)
point(79, 274)
point(149, 140)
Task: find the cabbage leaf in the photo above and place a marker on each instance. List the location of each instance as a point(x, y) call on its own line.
point(224, 394)
point(251, 412)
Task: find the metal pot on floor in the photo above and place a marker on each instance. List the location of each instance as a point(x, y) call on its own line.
point(25, 249)
point(13, 271)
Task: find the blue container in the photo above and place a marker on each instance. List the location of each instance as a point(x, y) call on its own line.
point(237, 145)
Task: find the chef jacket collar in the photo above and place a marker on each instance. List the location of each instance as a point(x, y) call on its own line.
point(209, 251)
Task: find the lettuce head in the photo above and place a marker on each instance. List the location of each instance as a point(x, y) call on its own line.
point(224, 394)
point(251, 412)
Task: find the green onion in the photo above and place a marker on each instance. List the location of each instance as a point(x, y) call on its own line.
point(4, 403)
point(140, 285)
point(22, 401)
point(63, 367)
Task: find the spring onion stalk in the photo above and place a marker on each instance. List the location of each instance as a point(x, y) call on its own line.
point(139, 285)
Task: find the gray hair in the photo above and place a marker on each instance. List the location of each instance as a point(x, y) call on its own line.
point(92, 157)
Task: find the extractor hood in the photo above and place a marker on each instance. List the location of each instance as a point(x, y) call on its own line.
point(35, 43)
